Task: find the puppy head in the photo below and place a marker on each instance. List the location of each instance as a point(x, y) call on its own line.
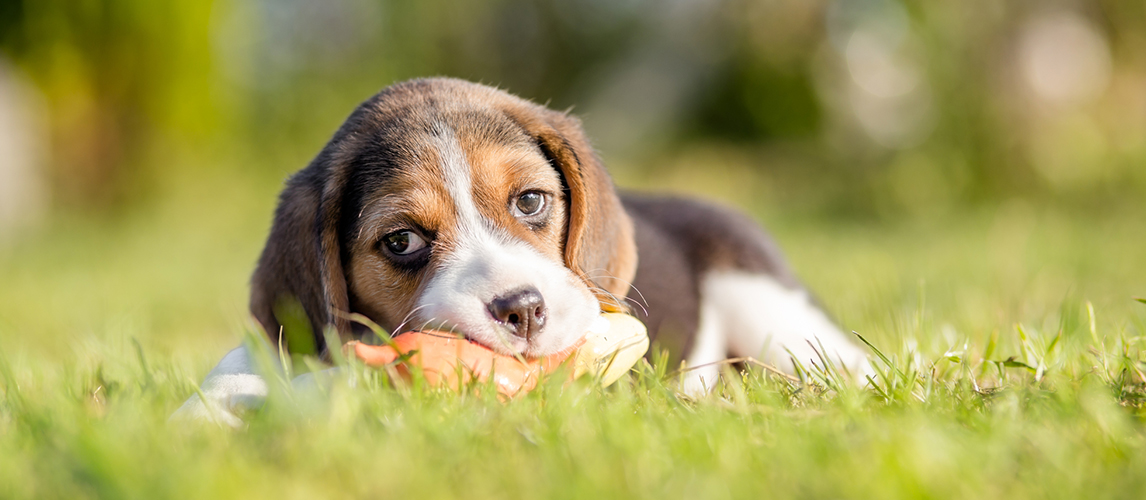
point(443, 204)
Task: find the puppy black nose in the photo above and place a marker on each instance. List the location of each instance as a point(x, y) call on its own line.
point(523, 311)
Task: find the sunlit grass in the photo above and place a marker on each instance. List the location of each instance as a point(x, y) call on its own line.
point(957, 425)
point(1009, 364)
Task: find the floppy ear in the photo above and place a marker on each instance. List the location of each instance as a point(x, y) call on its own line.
point(599, 243)
point(301, 264)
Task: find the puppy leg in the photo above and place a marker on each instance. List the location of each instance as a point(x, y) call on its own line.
point(768, 320)
point(231, 388)
point(710, 346)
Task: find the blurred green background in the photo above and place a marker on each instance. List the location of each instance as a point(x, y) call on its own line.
point(852, 105)
point(142, 143)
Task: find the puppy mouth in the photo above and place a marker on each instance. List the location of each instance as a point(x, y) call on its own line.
point(493, 336)
point(504, 344)
point(501, 342)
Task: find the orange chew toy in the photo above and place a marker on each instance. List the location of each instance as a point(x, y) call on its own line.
point(445, 358)
point(608, 351)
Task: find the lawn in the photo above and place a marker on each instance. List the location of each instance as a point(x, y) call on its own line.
point(1011, 366)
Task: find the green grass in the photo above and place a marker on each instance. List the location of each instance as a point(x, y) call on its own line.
point(999, 380)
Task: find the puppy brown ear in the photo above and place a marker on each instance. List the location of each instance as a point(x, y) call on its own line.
point(599, 244)
point(301, 264)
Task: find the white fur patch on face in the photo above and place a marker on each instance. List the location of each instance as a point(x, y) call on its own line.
point(764, 319)
point(487, 262)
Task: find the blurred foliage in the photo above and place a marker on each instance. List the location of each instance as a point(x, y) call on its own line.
point(851, 106)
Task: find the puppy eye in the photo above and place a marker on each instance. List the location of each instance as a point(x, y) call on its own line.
point(403, 242)
point(530, 203)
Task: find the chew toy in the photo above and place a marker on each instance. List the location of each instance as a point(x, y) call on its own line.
point(611, 347)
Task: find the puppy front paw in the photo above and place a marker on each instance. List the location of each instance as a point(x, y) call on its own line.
point(196, 410)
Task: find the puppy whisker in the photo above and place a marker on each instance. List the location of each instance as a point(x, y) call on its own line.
point(409, 317)
point(423, 327)
point(626, 298)
point(644, 309)
point(606, 274)
point(616, 301)
point(442, 327)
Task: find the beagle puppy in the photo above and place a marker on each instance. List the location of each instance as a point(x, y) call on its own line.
point(451, 205)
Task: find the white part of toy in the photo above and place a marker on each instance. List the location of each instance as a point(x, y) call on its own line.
point(611, 347)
